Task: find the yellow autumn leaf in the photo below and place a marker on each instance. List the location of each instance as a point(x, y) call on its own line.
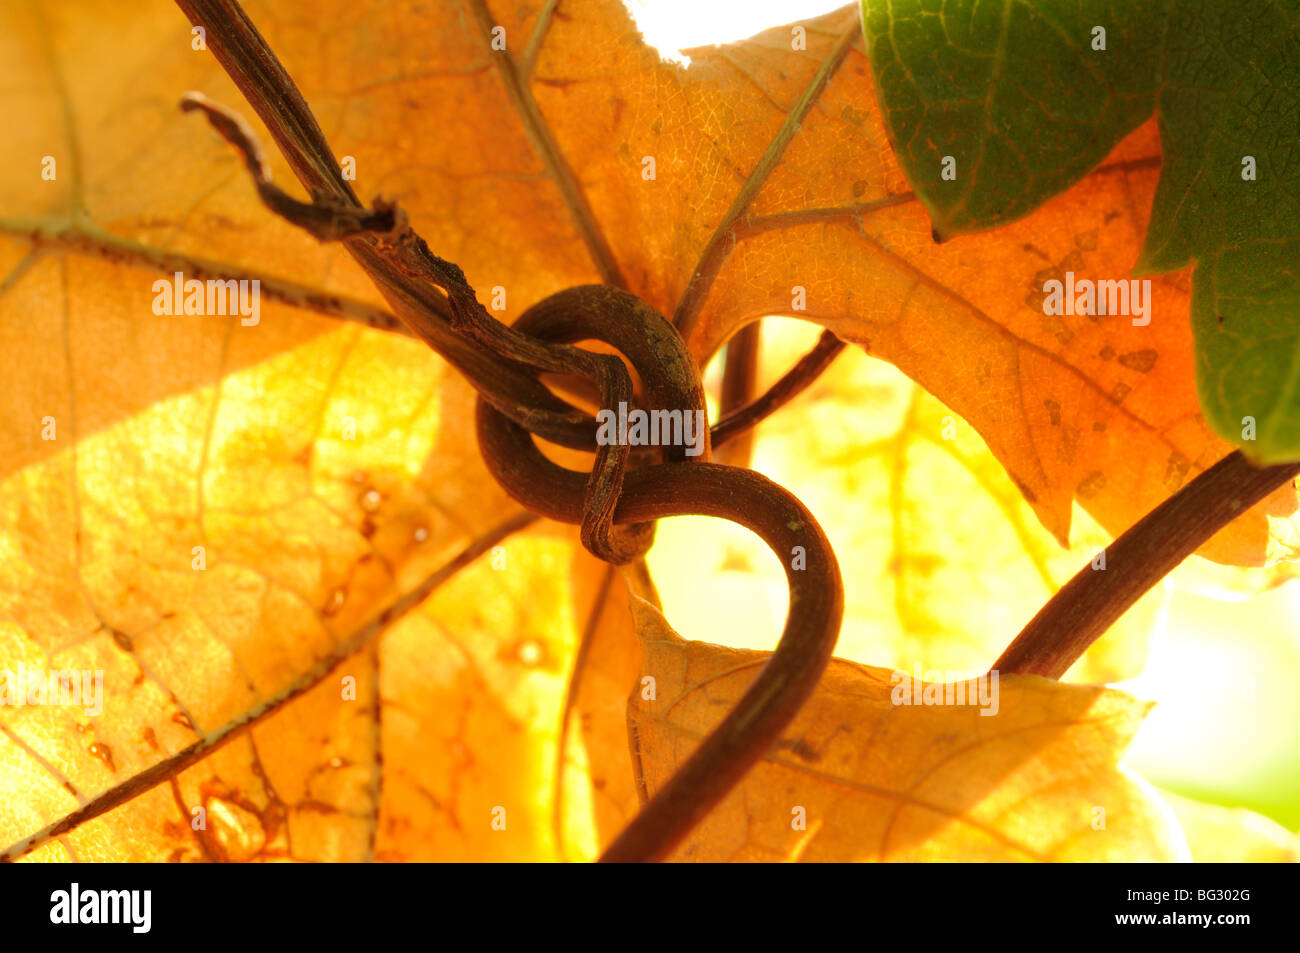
point(857, 777)
point(221, 556)
point(598, 788)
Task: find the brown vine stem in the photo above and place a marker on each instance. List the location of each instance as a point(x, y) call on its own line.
point(680, 486)
point(792, 383)
point(794, 668)
point(668, 374)
point(739, 382)
point(1094, 599)
point(410, 277)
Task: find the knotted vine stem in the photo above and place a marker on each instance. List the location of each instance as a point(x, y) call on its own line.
point(681, 486)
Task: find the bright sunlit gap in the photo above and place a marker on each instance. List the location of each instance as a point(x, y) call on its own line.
point(671, 26)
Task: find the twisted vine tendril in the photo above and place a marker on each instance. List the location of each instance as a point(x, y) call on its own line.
point(676, 487)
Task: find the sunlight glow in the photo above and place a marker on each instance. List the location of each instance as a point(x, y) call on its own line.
point(1227, 718)
point(671, 26)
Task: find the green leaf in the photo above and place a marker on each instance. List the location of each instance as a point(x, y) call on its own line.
point(1025, 101)
point(1231, 89)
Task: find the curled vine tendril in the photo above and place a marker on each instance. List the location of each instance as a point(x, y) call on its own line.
point(678, 486)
